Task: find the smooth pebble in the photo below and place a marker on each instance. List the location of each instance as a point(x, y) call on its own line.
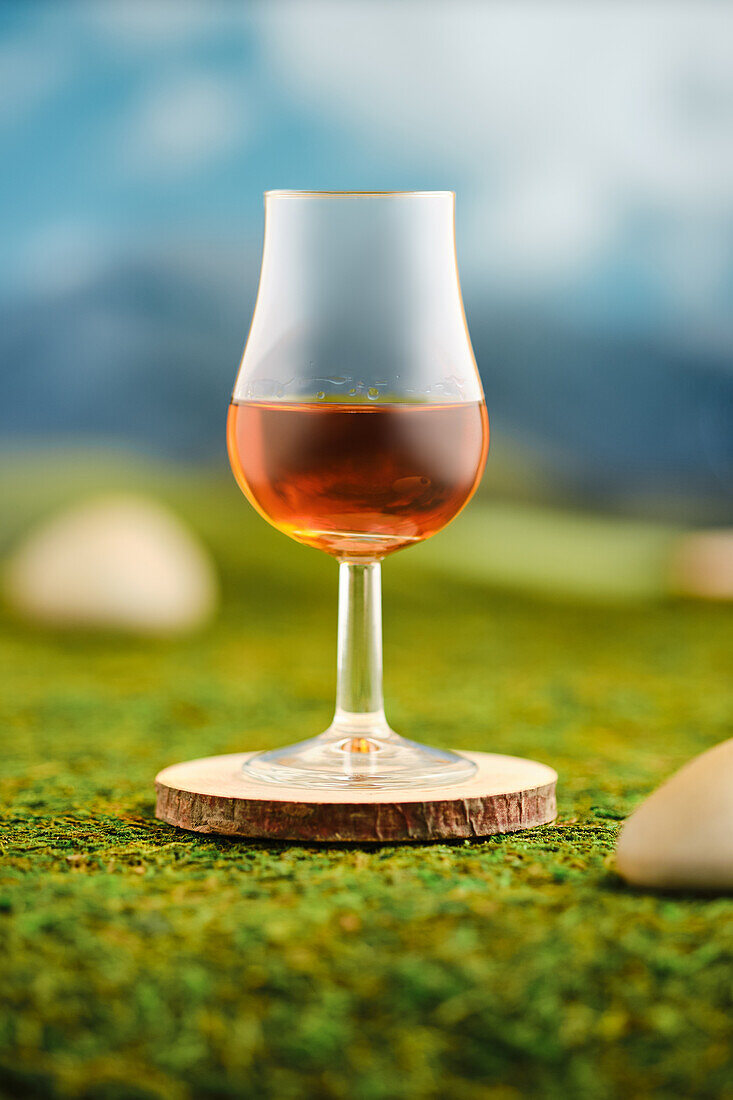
point(116, 563)
point(681, 837)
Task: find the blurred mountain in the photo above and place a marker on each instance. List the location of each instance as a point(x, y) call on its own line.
point(619, 419)
point(145, 356)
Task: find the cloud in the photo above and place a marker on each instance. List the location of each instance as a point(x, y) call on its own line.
point(62, 255)
point(559, 119)
point(184, 124)
point(29, 75)
point(154, 23)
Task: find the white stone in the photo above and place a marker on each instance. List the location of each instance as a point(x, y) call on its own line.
point(702, 565)
point(117, 563)
point(681, 837)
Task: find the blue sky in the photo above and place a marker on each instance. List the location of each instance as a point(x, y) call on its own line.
point(129, 126)
point(589, 146)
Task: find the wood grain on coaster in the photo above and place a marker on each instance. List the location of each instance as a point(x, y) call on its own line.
point(212, 795)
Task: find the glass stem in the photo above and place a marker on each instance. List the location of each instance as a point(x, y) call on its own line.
point(359, 702)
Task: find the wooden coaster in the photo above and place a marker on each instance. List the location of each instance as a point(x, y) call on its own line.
point(213, 795)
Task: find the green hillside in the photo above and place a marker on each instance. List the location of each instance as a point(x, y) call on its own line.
point(139, 961)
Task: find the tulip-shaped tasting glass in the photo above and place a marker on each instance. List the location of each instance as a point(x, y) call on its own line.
point(358, 426)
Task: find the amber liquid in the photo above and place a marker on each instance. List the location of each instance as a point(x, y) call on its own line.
point(358, 480)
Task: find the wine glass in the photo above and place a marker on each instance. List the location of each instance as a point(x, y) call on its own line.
point(358, 426)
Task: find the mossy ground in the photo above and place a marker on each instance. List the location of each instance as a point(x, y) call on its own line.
point(140, 961)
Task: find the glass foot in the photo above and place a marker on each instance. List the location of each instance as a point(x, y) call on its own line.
point(358, 755)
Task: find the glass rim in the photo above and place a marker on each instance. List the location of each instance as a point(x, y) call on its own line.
point(288, 194)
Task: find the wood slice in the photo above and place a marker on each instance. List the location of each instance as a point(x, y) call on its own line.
point(213, 795)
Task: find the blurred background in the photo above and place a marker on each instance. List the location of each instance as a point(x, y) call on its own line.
point(590, 149)
point(578, 612)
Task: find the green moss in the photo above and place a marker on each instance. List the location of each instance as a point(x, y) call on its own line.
point(140, 961)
